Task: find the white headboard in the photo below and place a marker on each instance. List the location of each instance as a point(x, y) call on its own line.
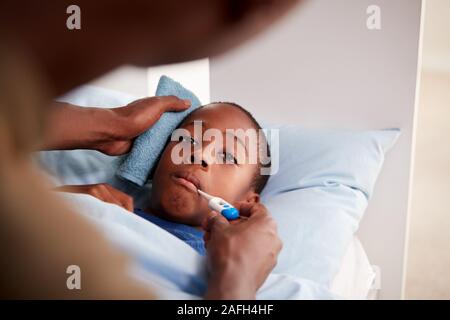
point(322, 67)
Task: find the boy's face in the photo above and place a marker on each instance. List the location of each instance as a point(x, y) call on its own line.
point(174, 199)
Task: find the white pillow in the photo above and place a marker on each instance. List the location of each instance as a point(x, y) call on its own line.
point(355, 276)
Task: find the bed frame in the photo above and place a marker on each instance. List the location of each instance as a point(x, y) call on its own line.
point(322, 67)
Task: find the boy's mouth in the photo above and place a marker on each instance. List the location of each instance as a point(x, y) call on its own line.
point(188, 180)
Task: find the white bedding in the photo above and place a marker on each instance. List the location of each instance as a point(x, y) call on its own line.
point(77, 167)
point(165, 262)
point(355, 277)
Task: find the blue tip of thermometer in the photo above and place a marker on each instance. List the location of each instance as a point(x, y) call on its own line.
point(219, 205)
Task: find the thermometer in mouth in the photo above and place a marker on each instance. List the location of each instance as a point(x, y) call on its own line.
point(220, 205)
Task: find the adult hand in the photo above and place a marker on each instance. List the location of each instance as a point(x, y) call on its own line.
point(101, 191)
point(111, 131)
point(135, 118)
point(240, 255)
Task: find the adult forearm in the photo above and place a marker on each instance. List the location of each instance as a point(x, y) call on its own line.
point(108, 130)
point(75, 127)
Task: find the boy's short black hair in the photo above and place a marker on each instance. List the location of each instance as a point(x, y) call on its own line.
point(259, 180)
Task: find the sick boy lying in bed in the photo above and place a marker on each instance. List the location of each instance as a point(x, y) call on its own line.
point(219, 170)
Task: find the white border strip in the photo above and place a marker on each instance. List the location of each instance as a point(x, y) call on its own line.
point(413, 146)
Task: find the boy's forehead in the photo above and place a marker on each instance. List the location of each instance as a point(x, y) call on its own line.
point(220, 116)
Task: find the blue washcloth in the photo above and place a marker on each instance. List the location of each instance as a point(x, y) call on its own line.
point(149, 145)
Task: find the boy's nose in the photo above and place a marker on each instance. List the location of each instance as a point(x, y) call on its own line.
point(202, 156)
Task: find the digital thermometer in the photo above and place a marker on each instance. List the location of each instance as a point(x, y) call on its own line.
point(220, 205)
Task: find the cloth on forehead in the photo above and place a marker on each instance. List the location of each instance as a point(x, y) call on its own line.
point(148, 146)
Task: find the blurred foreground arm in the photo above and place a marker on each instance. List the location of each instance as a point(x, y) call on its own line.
point(40, 237)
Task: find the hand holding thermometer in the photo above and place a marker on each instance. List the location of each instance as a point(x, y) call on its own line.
point(221, 206)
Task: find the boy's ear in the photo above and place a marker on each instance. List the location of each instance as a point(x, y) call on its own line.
point(253, 197)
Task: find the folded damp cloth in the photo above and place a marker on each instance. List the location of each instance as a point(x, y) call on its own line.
point(148, 146)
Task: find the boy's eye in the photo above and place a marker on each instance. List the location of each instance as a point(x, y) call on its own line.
point(228, 157)
point(187, 139)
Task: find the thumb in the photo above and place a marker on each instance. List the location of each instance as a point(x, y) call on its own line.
point(173, 103)
point(216, 222)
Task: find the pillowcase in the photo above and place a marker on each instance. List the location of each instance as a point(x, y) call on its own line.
point(318, 196)
point(320, 193)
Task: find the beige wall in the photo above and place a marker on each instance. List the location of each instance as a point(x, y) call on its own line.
point(428, 267)
point(428, 273)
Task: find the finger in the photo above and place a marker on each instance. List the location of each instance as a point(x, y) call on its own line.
point(110, 197)
point(216, 222)
point(238, 221)
point(173, 103)
point(206, 238)
point(204, 223)
point(103, 194)
point(125, 200)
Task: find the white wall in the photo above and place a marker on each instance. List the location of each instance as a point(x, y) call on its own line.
point(128, 79)
point(142, 82)
point(322, 67)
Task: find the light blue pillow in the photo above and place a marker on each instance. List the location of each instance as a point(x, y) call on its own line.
point(318, 196)
point(320, 193)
